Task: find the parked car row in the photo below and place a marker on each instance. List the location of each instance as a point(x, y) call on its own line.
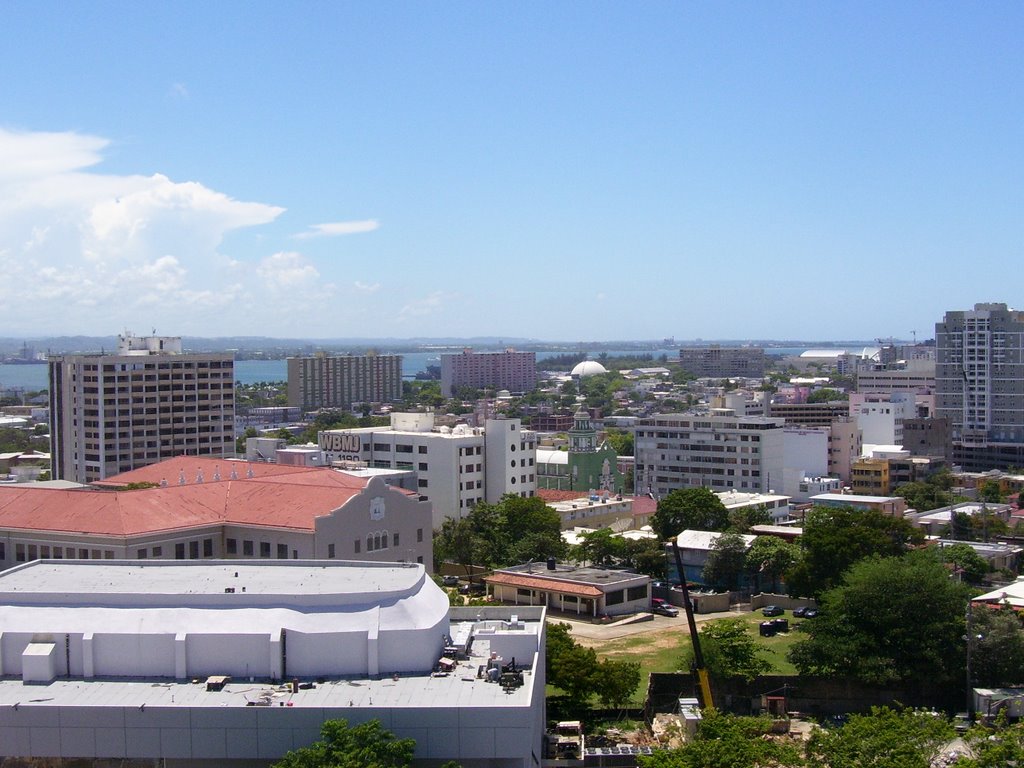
point(802, 612)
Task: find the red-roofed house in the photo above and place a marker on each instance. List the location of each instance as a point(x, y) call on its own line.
point(209, 508)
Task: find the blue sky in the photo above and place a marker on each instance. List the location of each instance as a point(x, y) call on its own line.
point(570, 171)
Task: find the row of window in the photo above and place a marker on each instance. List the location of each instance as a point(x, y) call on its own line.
point(26, 552)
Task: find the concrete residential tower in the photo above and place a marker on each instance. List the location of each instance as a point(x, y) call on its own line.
point(979, 385)
point(338, 381)
point(148, 402)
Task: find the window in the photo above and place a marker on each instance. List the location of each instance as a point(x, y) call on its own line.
point(19, 553)
point(33, 552)
point(141, 554)
point(394, 539)
point(193, 550)
point(231, 546)
point(423, 466)
point(421, 482)
point(369, 542)
point(179, 551)
point(264, 549)
point(359, 544)
point(158, 551)
point(636, 593)
point(420, 559)
point(524, 593)
point(419, 535)
point(421, 449)
point(247, 548)
point(44, 552)
point(330, 550)
point(282, 551)
point(108, 554)
point(614, 598)
point(207, 547)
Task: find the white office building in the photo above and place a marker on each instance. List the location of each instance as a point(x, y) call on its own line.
point(718, 450)
point(191, 664)
point(457, 467)
point(880, 417)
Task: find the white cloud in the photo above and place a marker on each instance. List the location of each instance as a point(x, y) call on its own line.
point(83, 251)
point(366, 287)
point(39, 154)
point(600, 296)
point(428, 305)
point(179, 90)
point(286, 271)
point(336, 228)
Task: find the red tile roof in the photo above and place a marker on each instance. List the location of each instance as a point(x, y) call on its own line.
point(551, 585)
point(281, 497)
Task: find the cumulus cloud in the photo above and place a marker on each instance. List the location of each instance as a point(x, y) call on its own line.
point(366, 287)
point(428, 305)
point(84, 251)
point(336, 228)
point(286, 270)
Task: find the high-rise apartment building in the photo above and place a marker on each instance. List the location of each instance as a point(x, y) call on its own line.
point(719, 450)
point(148, 402)
point(338, 381)
point(979, 385)
point(722, 362)
point(511, 370)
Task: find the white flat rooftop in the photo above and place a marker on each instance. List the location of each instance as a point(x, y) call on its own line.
point(461, 688)
point(88, 578)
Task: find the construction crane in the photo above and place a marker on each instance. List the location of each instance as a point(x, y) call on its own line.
point(698, 656)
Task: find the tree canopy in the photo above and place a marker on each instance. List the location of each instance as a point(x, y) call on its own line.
point(997, 647)
point(893, 619)
point(515, 530)
point(827, 395)
point(727, 562)
point(836, 538)
point(885, 738)
point(697, 509)
point(771, 558)
point(367, 745)
point(729, 650)
point(727, 741)
point(577, 672)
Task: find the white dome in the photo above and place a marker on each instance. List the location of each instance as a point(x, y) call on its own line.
point(588, 368)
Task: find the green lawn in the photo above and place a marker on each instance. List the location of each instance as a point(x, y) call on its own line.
point(659, 652)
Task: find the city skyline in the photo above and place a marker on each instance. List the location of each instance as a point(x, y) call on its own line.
point(800, 171)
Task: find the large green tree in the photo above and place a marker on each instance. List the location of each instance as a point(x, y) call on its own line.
point(513, 531)
point(969, 565)
point(367, 745)
point(885, 738)
point(730, 650)
point(836, 538)
point(893, 619)
point(727, 562)
point(697, 509)
point(997, 647)
point(769, 559)
point(580, 675)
